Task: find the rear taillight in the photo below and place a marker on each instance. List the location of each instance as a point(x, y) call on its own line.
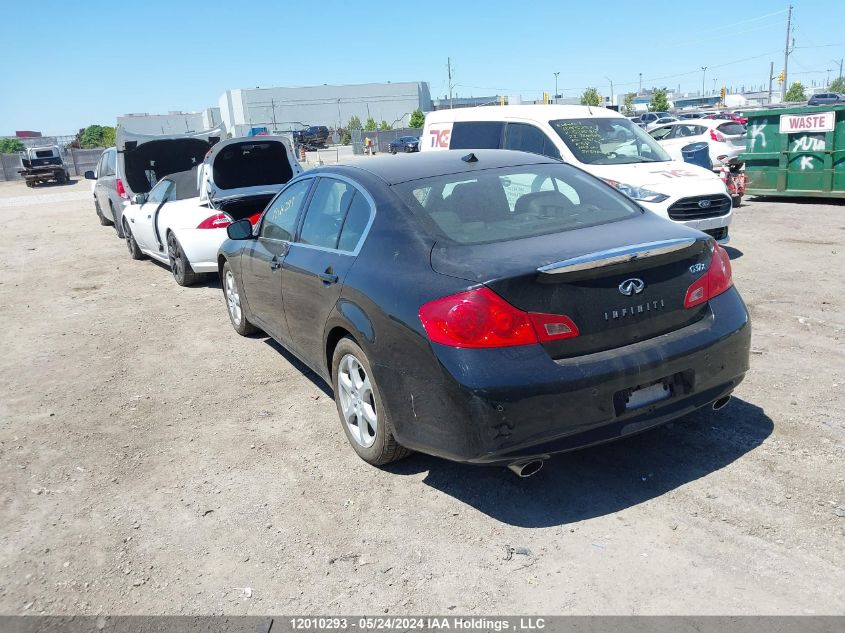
point(481, 318)
point(121, 190)
point(716, 136)
point(216, 221)
point(713, 282)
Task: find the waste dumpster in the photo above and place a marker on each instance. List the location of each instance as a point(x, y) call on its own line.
point(697, 154)
point(796, 151)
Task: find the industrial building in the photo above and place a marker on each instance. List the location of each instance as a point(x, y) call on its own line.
point(175, 122)
point(284, 109)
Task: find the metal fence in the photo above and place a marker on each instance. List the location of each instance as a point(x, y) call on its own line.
point(77, 162)
point(382, 138)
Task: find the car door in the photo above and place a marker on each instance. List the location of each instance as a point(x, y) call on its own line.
point(332, 229)
point(144, 218)
point(261, 263)
point(529, 138)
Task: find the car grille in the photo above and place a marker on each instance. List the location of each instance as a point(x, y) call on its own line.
point(690, 209)
point(718, 234)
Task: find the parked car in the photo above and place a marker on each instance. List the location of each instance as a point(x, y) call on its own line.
point(487, 306)
point(727, 116)
point(182, 221)
point(826, 98)
point(600, 141)
point(661, 121)
point(648, 118)
point(404, 144)
point(726, 139)
point(110, 197)
point(312, 136)
point(42, 164)
point(690, 115)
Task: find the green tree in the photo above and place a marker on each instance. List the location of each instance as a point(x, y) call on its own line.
point(10, 146)
point(96, 136)
point(370, 125)
point(795, 92)
point(354, 123)
point(591, 97)
point(417, 118)
point(384, 125)
point(628, 103)
point(659, 101)
point(837, 85)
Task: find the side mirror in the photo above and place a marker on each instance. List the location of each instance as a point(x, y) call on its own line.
point(89, 175)
point(240, 230)
point(139, 198)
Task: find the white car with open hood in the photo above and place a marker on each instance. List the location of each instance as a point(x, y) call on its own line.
point(600, 141)
point(182, 221)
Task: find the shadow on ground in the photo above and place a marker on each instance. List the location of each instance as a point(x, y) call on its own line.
point(734, 253)
point(802, 200)
point(604, 479)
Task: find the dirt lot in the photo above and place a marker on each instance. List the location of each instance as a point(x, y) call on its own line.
point(153, 461)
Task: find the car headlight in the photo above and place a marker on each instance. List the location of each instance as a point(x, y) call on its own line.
point(637, 193)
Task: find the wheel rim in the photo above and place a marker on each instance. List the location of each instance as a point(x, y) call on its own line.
point(357, 401)
point(175, 256)
point(233, 298)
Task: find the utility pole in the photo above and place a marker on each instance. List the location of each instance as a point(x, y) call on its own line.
point(771, 77)
point(703, 75)
point(786, 53)
point(449, 72)
point(273, 105)
point(556, 74)
point(611, 89)
point(640, 91)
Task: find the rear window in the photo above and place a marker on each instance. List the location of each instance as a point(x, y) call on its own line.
point(512, 203)
point(476, 135)
point(44, 153)
point(731, 129)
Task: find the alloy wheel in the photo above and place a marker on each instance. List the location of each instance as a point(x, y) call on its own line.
point(175, 256)
point(233, 298)
point(357, 401)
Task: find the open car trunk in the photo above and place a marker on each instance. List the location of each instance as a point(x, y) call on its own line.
point(242, 207)
point(147, 158)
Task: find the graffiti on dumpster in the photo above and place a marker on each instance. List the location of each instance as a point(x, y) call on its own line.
point(757, 133)
point(806, 163)
point(809, 143)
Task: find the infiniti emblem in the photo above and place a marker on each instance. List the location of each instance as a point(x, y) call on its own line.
point(631, 286)
point(704, 204)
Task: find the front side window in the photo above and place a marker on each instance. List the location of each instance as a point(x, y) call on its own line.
point(279, 221)
point(597, 141)
point(660, 133)
point(326, 212)
point(528, 138)
point(158, 194)
point(476, 135)
point(495, 205)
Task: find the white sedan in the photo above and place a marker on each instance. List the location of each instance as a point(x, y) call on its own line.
point(725, 139)
point(182, 221)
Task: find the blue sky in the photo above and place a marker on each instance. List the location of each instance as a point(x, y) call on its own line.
point(154, 56)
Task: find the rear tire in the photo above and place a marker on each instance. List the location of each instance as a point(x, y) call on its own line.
point(363, 416)
point(232, 294)
point(131, 244)
point(118, 222)
point(104, 221)
point(179, 264)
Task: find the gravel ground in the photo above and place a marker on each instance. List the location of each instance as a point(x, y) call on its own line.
point(153, 461)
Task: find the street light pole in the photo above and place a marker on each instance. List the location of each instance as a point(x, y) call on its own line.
point(703, 75)
point(556, 74)
point(640, 91)
point(611, 89)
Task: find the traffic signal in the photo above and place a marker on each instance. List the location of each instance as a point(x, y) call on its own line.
point(781, 77)
point(723, 94)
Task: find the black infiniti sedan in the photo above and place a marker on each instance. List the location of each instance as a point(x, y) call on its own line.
point(404, 144)
point(493, 307)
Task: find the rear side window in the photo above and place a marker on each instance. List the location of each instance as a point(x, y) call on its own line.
point(498, 205)
point(477, 135)
point(355, 223)
point(111, 159)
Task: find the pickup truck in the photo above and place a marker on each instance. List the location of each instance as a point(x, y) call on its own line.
point(42, 164)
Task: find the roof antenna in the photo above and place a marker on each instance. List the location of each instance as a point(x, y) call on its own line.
point(470, 158)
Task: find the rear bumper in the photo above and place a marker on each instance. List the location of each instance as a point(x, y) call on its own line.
point(511, 404)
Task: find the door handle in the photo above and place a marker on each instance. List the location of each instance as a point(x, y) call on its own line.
point(275, 264)
point(328, 278)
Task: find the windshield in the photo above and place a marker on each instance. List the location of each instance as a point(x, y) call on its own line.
point(608, 141)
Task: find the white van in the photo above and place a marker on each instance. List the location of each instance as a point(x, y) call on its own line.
point(601, 142)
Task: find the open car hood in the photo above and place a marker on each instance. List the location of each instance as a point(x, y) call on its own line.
point(247, 166)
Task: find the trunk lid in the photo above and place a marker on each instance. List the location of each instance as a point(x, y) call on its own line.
point(148, 158)
point(620, 283)
point(247, 166)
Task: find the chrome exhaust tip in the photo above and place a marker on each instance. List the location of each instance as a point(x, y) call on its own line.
point(526, 469)
point(721, 403)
